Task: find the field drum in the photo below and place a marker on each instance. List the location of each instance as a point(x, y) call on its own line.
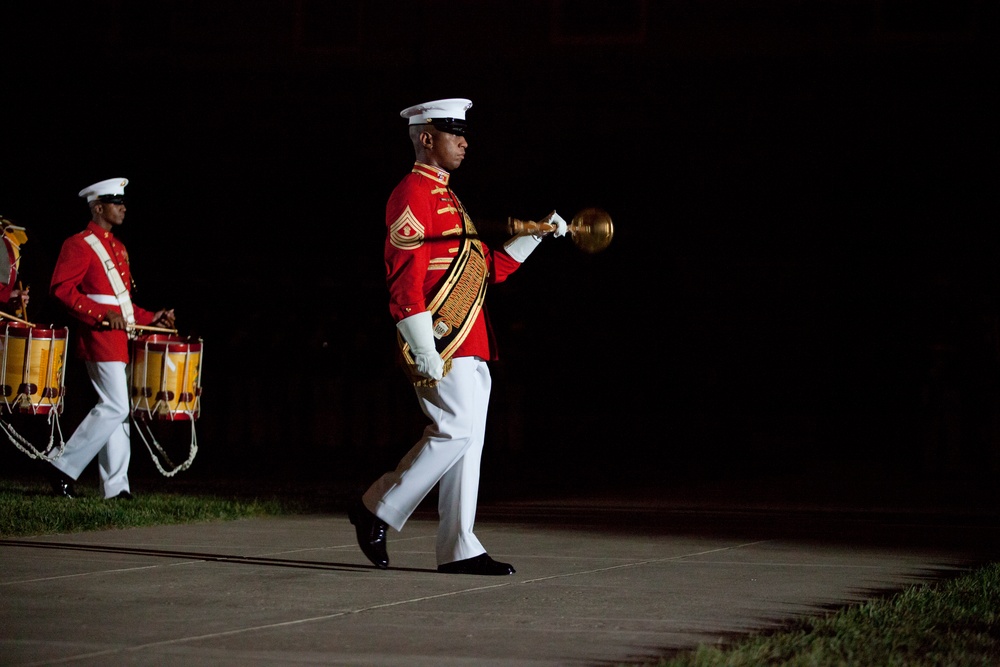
point(165, 380)
point(33, 368)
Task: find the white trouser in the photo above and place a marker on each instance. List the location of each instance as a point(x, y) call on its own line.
point(104, 432)
point(449, 452)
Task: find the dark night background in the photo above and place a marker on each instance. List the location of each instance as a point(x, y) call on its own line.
point(803, 279)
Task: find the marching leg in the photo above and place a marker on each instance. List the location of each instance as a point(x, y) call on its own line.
point(458, 492)
point(95, 433)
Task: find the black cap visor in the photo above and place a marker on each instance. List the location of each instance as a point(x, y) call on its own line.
point(450, 125)
point(111, 199)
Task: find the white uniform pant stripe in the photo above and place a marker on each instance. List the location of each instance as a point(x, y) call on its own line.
point(449, 452)
point(104, 432)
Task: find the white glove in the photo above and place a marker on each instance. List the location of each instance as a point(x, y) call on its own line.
point(560, 224)
point(418, 332)
point(519, 247)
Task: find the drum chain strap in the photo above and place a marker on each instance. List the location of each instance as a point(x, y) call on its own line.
point(21, 443)
point(144, 429)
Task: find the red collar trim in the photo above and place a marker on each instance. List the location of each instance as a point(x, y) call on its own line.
point(433, 173)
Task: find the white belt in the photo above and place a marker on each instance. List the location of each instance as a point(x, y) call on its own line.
point(103, 299)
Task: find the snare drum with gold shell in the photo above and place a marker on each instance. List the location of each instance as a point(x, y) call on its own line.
point(165, 378)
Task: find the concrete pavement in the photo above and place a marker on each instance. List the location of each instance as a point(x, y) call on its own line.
point(600, 581)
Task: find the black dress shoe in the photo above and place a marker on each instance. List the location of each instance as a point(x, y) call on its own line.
point(481, 564)
point(124, 495)
point(371, 534)
point(62, 484)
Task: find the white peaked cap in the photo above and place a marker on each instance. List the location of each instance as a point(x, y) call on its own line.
point(112, 187)
point(447, 115)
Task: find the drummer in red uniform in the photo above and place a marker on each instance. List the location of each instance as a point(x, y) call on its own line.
point(93, 281)
point(13, 299)
point(437, 271)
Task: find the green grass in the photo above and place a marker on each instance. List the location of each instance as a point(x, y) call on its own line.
point(952, 622)
point(29, 508)
point(955, 622)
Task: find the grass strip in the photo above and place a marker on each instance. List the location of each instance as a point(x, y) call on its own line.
point(28, 508)
point(952, 622)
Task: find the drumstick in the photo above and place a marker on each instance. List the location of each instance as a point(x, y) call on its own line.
point(15, 318)
point(142, 327)
point(23, 310)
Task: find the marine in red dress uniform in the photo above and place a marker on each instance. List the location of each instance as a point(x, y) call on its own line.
point(11, 296)
point(424, 236)
point(84, 285)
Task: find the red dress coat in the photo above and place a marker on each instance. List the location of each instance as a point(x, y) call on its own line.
point(424, 224)
point(79, 273)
